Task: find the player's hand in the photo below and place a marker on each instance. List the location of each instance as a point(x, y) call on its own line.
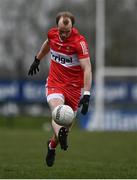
point(84, 102)
point(34, 67)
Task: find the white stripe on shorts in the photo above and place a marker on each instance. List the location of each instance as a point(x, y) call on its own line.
point(55, 95)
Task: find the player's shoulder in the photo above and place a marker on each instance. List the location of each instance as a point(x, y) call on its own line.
point(78, 37)
point(52, 32)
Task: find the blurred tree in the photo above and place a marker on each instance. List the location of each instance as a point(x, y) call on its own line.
point(24, 25)
point(121, 38)
point(22, 33)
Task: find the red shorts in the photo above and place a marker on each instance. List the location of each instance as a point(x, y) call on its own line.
point(70, 95)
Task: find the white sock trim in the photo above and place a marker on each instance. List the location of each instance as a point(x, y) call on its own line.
point(86, 92)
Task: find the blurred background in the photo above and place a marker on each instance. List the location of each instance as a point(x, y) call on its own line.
point(110, 27)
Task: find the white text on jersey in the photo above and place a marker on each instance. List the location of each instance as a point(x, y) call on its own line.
point(65, 60)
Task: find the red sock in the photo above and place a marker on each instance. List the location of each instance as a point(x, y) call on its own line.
point(52, 144)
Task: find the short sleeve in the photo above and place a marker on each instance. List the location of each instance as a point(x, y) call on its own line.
point(82, 49)
point(51, 33)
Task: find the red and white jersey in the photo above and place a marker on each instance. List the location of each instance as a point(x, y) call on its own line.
point(65, 69)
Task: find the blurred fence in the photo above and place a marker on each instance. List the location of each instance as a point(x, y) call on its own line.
point(116, 92)
point(120, 102)
point(22, 91)
point(23, 97)
point(119, 107)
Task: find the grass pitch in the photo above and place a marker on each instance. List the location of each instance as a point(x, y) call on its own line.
point(90, 154)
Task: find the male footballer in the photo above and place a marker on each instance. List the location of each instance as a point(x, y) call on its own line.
point(69, 74)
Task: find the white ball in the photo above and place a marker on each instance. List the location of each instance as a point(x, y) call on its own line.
point(63, 115)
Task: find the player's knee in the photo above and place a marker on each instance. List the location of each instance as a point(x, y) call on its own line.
point(54, 103)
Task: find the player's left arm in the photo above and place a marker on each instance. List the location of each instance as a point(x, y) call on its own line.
point(86, 66)
point(44, 50)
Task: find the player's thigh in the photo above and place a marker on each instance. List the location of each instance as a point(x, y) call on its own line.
point(72, 98)
point(54, 96)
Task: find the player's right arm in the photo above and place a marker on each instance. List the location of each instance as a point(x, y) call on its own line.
point(45, 48)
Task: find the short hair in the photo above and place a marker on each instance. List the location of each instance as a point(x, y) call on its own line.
point(65, 15)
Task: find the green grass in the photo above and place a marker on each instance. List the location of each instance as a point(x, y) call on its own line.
point(90, 154)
